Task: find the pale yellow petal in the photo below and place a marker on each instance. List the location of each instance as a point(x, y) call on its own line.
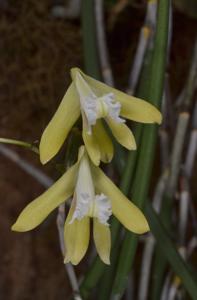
point(124, 210)
point(35, 212)
point(139, 110)
point(104, 142)
point(91, 144)
point(132, 108)
point(76, 237)
point(58, 128)
point(102, 239)
point(122, 133)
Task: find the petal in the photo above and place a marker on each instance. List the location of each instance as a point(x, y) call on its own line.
point(139, 110)
point(76, 237)
point(58, 128)
point(35, 212)
point(124, 210)
point(132, 108)
point(122, 133)
point(91, 144)
point(104, 142)
point(102, 239)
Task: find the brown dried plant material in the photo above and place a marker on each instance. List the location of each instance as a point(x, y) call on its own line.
point(36, 51)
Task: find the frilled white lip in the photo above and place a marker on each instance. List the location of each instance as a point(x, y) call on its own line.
point(96, 107)
point(86, 202)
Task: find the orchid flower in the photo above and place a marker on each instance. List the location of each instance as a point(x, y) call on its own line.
point(94, 101)
point(94, 196)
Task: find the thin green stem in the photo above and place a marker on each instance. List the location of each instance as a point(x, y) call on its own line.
point(20, 143)
point(89, 39)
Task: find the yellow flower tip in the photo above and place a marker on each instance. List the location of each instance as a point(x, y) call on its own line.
point(17, 227)
point(106, 259)
point(14, 228)
point(73, 72)
point(96, 161)
point(159, 119)
point(73, 260)
point(131, 145)
point(106, 158)
point(155, 115)
point(66, 259)
point(44, 160)
point(143, 228)
point(45, 154)
point(95, 156)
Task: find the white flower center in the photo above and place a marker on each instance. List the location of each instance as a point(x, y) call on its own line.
point(87, 203)
point(103, 209)
point(96, 107)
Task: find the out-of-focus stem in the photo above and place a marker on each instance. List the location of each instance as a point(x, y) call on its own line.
point(89, 39)
point(177, 152)
point(192, 148)
point(150, 241)
point(102, 44)
point(146, 34)
point(26, 166)
point(163, 131)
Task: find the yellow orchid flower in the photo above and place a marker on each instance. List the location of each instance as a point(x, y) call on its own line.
point(95, 100)
point(94, 196)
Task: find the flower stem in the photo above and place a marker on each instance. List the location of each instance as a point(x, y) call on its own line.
point(20, 143)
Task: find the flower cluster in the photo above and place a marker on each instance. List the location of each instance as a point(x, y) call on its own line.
point(93, 194)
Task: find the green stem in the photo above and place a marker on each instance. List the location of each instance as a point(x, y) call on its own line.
point(89, 39)
point(106, 281)
point(146, 155)
point(20, 143)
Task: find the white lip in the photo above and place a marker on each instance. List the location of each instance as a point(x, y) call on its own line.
point(96, 107)
point(86, 202)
